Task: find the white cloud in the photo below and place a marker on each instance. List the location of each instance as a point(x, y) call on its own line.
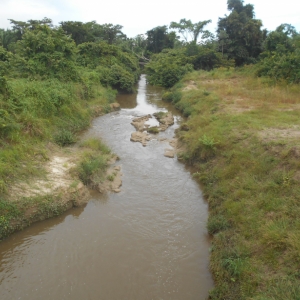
point(138, 17)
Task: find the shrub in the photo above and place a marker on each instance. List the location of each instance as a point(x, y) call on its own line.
point(64, 138)
point(153, 130)
point(90, 166)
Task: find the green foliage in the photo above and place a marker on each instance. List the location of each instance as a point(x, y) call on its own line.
point(159, 38)
point(250, 180)
point(240, 35)
point(281, 67)
point(191, 30)
point(205, 57)
point(111, 177)
point(216, 224)
point(47, 52)
point(96, 144)
point(64, 137)
point(7, 212)
point(281, 58)
point(153, 130)
point(112, 66)
point(7, 123)
point(208, 142)
point(92, 32)
point(167, 68)
point(92, 165)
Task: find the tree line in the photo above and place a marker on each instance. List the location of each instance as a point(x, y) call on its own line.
point(239, 40)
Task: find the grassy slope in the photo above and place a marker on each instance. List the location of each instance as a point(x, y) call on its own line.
point(34, 114)
point(243, 139)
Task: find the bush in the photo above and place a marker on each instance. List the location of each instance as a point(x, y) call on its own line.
point(64, 138)
point(167, 68)
point(90, 166)
point(153, 130)
point(281, 67)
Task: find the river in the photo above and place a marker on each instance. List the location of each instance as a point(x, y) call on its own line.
point(147, 242)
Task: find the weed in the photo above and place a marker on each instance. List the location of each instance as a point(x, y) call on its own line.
point(208, 142)
point(111, 177)
point(91, 165)
point(64, 137)
point(160, 115)
point(153, 130)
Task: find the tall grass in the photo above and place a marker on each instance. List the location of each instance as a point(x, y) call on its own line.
point(243, 140)
point(92, 167)
point(35, 112)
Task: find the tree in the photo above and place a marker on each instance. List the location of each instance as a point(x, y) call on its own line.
point(282, 39)
point(167, 67)
point(47, 52)
point(79, 31)
point(158, 39)
point(190, 30)
point(19, 27)
point(7, 37)
point(91, 32)
point(244, 37)
point(281, 58)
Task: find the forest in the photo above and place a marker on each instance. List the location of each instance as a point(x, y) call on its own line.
point(55, 79)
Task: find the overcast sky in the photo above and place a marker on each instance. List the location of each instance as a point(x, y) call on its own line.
point(137, 17)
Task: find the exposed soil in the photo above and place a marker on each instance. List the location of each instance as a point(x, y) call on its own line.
point(190, 85)
point(59, 184)
point(273, 134)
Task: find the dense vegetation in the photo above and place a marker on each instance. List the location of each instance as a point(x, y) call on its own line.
point(242, 138)
point(239, 41)
point(239, 89)
point(51, 85)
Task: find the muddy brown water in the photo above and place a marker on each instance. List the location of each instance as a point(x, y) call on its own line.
point(147, 242)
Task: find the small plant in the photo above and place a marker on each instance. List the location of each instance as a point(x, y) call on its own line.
point(111, 177)
point(208, 141)
point(159, 115)
point(153, 130)
point(90, 166)
point(64, 138)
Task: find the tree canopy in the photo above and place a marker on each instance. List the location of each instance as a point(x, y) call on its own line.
point(239, 34)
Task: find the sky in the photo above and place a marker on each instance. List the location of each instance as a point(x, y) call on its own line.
point(137, 17)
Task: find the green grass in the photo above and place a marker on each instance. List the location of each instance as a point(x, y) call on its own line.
point(153, 130)
point(92, 167)
point(243, 142)
point(36, 112)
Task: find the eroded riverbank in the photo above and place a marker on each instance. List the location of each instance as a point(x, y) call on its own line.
point(147, 242)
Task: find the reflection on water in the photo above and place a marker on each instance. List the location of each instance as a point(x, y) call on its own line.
point(127, 100)
point(147, 242)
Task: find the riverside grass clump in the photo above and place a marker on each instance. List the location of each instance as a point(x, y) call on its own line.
point(243, 141)
point(91, 169)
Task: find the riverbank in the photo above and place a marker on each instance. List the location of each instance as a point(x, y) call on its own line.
point(70, 173)
point(39, 174)
point(242, 137)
